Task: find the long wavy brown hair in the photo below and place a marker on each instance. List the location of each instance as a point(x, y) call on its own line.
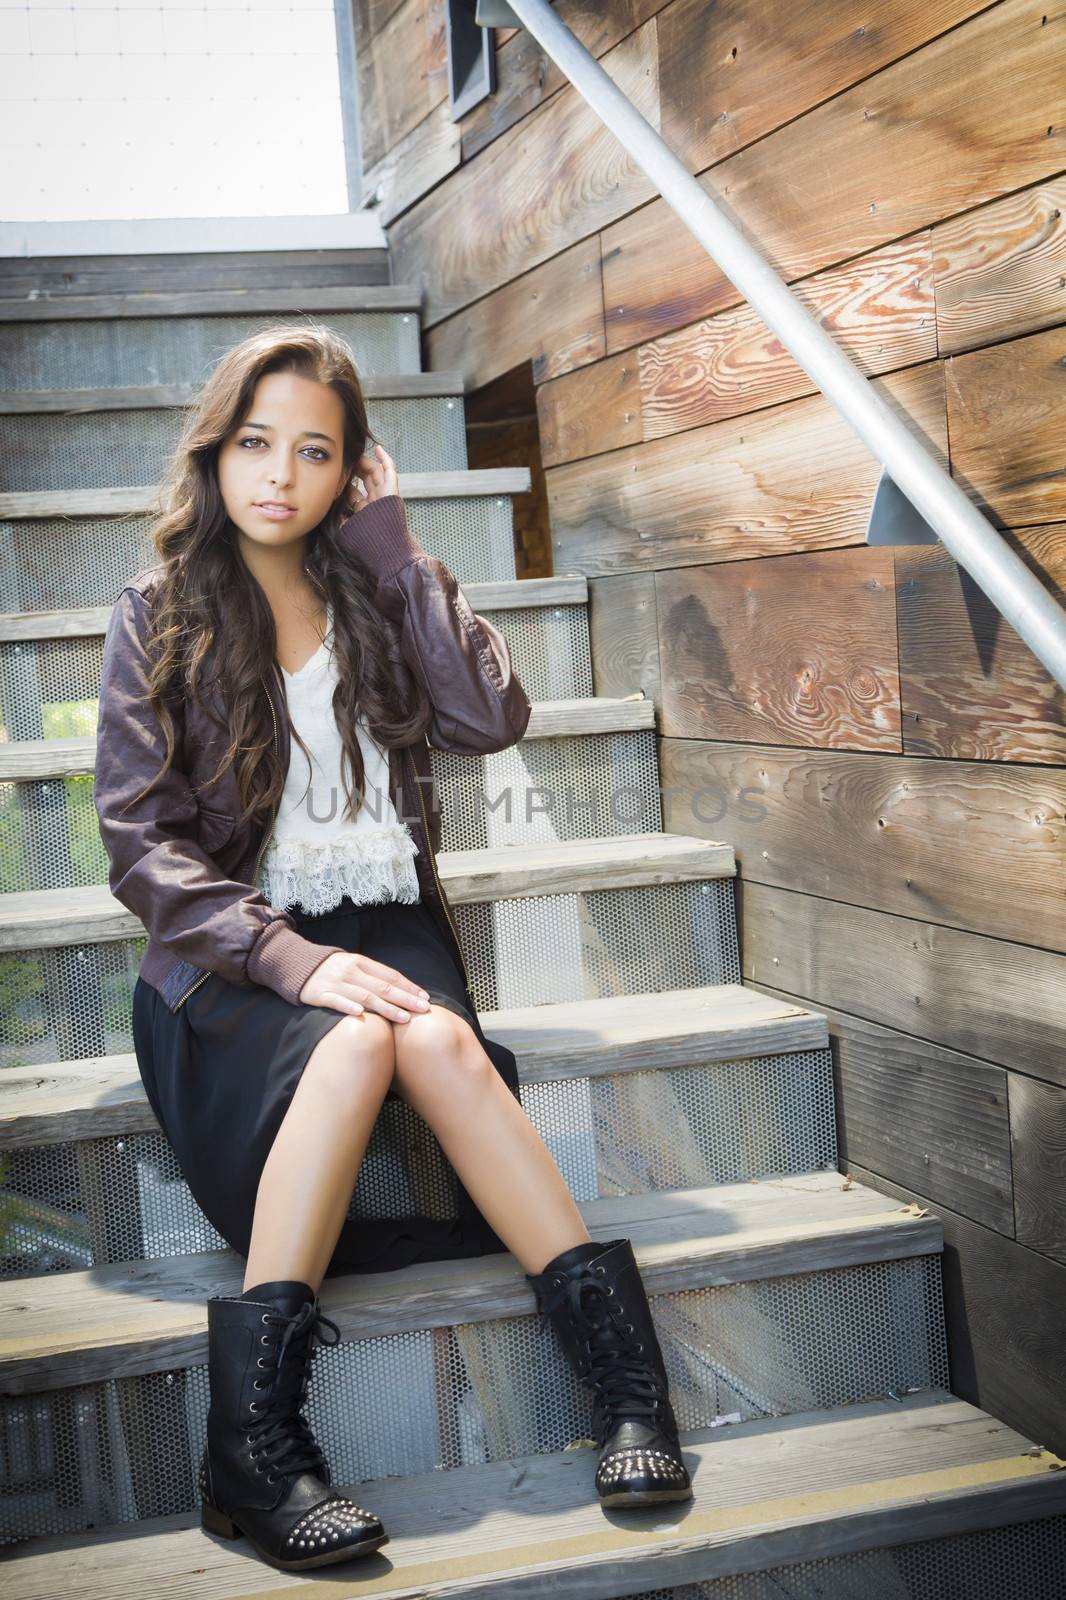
point(204, 580)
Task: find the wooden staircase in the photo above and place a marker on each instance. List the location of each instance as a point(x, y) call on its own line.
point(800, 1312)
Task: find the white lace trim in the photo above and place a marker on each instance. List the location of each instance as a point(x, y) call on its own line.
point(372, 865)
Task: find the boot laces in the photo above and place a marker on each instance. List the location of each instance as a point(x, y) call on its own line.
point(281, 1435)
point(625, 1381)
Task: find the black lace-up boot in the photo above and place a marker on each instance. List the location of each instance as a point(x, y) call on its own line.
point(263, 1474)
point(594, 1297)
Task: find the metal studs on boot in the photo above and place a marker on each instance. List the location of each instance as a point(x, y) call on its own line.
point(263, 1474)
point(594, 1297)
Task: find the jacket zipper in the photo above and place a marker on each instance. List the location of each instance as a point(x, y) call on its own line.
point(255, 870)
point(436, 879)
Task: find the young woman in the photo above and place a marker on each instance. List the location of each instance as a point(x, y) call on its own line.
point(302, 965)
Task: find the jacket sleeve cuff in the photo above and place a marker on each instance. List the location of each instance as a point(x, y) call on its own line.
point(283, 959)
point(378, 535)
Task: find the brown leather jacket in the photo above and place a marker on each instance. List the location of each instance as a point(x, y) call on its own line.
point(179, 862)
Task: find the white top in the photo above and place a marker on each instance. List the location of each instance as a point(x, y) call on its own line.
point(315, 853)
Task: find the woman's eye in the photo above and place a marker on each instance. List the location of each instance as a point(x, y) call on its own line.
point(253, 438)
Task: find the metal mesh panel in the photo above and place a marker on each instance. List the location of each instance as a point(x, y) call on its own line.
point(596, 785)
point(123, 352)
point(63, 1003)
point(68, 1002)
point(586, 786)
point(1025, 1561)
point(553, 948)
point(549, 646)
point(105, 449)
point(47, 564)
point(78, 1204)
point(129, 1447)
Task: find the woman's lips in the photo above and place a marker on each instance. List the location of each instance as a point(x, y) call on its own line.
point(276, 513)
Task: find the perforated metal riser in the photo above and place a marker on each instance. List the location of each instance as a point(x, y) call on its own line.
point(588, 786)
point(1026, 1561)
point(75, 1205)
point(47, 451)
point(591, 786)
point(53, 563)
point(123, 352)
point(129, 1447)
point(75, 1000)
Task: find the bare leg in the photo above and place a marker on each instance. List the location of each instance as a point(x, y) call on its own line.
point(308, 1177)
point(508, 1170)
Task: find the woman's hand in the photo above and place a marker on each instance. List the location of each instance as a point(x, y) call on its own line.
point(378, 475)
point(354, 983)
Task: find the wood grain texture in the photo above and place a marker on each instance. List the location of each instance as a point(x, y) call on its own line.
point(927, 1116)
point(623, 635)
point(795, 651)
point(1000, 271)
point(975, 845)
point(1003, 1306)
point(550, 317)
point(730, 74)
point(48, 918)
point(144, 1316)
point(542, 186)
point(414, 164)
point(879, 309)
point(1038, 1139)
point(767, 1492)
point(1007, 424)
point(526, 76)
point(971, 687)
point(988, 997)
point(789, 478)
point(403, 76)
point(901, 151)
point(103, 1095)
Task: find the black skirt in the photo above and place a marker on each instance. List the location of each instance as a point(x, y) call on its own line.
point(220, 1072)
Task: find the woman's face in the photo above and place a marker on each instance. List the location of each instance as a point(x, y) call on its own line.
point(288, 451)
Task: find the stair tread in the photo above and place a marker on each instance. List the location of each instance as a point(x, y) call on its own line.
point(164, 396)
point(144, 497)
point(563, 866)
point(76, 622)
point(108, 304)
point(142, 1316)
point(101, 1095)
point(25, 759)
point(766, 1492)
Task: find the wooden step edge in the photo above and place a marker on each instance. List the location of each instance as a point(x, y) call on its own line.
point(144, 498)
point(767, 1492)
point(35, 760)
point(165, 396)
point(103, 1096)
point(378, 297)
point(147, 1316)
point(505, 594)
point(40, 919)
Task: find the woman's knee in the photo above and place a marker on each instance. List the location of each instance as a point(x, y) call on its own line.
point(355, 1049)
point(441, 1048)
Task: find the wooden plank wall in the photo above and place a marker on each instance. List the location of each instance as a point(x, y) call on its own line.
point(887, 758)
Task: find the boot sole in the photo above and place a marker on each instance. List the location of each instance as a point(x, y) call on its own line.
point(214, 1521)
point(643, 1497)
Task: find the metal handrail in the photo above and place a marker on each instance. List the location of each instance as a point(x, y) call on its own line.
point(971, 539)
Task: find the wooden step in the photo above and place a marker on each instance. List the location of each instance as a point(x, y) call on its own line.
point(87, 622)
point(104, 1096)
point(162, 396)
point(89, 914)
point(213, 302)
point(25, 759)
point(767, 1493)
point(144, 498)
point(137, 1316)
